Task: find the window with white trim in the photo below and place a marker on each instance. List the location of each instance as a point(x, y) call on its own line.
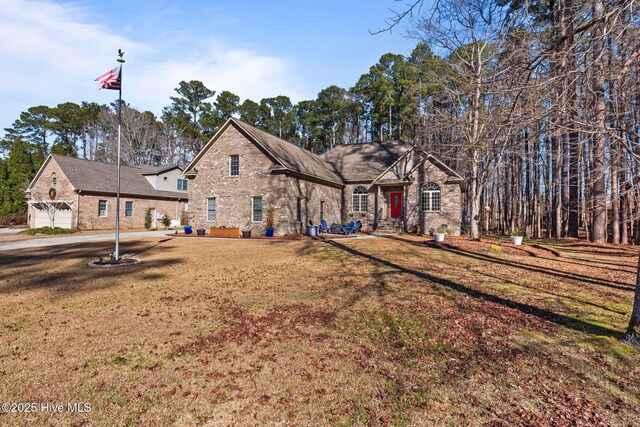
point(128, 209)
point(430, 201)
point(234, 165)
point(360, 199)
point(54, 180)
point(211, 209)
point(182, 184)
point(256, 209)
point(102, 208)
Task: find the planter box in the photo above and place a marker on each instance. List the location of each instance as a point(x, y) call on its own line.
point(224, 232)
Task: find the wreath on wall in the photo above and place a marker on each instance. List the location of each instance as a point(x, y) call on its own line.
point(52, 193)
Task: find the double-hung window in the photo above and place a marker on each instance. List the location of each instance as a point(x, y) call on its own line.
point(128, 209)
point(102, 208)
point(211, 209)
point(234, 165)
point(256, 209)
point(182, 184)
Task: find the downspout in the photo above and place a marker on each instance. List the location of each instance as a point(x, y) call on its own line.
point(77, 208)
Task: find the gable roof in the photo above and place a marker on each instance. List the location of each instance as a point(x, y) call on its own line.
point(96, 177)
point(157, 170)
point(365, 162)
point(344, 163)
point(287, 155)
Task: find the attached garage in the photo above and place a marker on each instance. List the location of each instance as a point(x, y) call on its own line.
point(62, 217)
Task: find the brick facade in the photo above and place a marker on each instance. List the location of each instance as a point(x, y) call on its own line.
point(84, 207)
point(234, 194)
point(256, 177)
point(89, 219)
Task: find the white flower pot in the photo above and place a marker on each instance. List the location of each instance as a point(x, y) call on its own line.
point(517, 240)
point(439, 237)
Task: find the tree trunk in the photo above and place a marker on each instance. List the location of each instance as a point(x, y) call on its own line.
point(557, 187)
point(632, 336)
point(599, 194)
point(624, 204)
point(615, 201)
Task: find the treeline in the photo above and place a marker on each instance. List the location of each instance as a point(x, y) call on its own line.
point(540, 107)
point(536, 103)
point(383, 104)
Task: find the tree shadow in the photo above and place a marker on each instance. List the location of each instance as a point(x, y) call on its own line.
point(515, 264)
point(550, 316)
point(26, 272)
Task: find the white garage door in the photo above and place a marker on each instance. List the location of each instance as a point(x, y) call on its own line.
point(62, 218)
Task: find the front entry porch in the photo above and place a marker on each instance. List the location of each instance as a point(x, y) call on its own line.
point(390, 209)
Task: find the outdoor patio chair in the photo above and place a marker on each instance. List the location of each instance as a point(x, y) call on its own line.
point(324, 227)
point(351, 227)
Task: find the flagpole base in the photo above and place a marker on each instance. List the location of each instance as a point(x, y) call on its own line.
point(123, 262)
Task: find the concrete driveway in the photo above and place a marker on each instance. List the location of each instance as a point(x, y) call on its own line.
point(70, 239)
point(10, 231)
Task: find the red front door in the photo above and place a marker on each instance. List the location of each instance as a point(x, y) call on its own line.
point(396, 204)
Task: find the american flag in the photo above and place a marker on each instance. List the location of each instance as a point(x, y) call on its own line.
point(110, 79)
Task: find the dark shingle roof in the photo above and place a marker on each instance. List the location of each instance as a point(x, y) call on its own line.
point(364, 162)
point(291, 156)
point(91, 176)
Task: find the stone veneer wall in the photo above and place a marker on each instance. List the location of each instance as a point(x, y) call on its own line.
point(450, 201)
point(234, 193)
point(368, 221)
point(88, 204)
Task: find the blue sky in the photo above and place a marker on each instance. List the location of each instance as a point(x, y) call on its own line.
point(52, 50)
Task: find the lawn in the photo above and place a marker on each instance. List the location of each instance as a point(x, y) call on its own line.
point(380, 331)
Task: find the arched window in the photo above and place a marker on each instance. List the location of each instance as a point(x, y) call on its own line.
point(430, 198)
point(54, 180)
point(360, 199)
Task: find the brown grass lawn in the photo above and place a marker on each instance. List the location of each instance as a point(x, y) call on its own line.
point(384, 331)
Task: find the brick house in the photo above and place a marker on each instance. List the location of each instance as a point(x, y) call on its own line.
point(389, 186)
point(86, 197)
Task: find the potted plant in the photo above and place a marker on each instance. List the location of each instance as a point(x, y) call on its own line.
point(439, 233)
point(270, 221)
point(517, 235)
point(52, 193)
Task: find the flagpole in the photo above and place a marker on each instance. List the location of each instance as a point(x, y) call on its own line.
point(116, 254)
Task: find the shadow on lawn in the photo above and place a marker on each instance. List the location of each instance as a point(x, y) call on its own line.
point(515, 264)
point(78, 276)
point(578, 325)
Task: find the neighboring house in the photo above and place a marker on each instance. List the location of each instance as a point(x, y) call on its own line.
point(86, 194)
point(389, 186)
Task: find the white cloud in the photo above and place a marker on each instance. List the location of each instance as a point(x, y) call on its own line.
point(52, 53)
point(243, 72)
